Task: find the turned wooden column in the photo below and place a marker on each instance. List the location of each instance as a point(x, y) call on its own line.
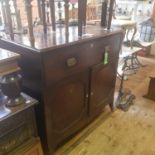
point(43, 16)
point(52, 10)
point(110, 14)
point(84, 11)
point(104, 13)
point(17, 14)
point(3, 12)
point(8, 19)
point(66, 15)
point(82, 5)
point(28, 7)
point(80, 17)
point(39, 9)
point(153, 11)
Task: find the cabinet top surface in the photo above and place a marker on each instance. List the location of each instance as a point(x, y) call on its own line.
point(6, 56)
point(6, 112)
point(59, 38)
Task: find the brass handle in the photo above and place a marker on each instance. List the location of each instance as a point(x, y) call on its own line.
point(71, 62)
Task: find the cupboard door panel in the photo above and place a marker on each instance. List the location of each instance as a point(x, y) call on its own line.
point(68, 106)
point(102, 87)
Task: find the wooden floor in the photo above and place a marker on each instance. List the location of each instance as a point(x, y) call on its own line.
point(121, 133)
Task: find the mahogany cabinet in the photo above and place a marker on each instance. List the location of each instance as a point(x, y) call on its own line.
point(72, 79)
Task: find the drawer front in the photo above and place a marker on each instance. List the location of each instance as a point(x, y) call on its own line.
point(10, 141)
point(15, 130)
point(76, 58)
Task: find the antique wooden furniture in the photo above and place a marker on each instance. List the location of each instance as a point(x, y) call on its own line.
point(151, 89)
point(30, 147)
point(17, 124)
point(8, 63)
point(73, 78)
point(10, 79)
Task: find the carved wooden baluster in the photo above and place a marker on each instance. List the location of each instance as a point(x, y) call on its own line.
point(39, 10)
point(9, 20)
point(74, 18)
point(43, 16)
point(52, 10)
point(84, 11)
point(17, 13)
point(73, 11)
point(82, 5)
point(104, 13)
point(153, 11)
point(80, 17)
point(60, 21)
point(110, 14)
point(66, 15)
point(3, 12)
point(47, 6)
point(28, 7)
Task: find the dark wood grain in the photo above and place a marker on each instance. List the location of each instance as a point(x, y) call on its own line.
point(52, 40)
point(15, 121)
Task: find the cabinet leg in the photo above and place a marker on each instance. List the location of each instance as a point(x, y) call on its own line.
point(51, 152)
point(111, 107)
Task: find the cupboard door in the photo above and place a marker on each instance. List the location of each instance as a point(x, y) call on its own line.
point(68, 106)
point(102, 87)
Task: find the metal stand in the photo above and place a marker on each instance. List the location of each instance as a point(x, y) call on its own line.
point(124, 99)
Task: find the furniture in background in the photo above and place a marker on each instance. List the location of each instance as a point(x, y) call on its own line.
point(10, 78)
point(129, 62)
point(72, 77)
point(151, 89)
point(17, 121)
point(8, 64)
point(17, 125)
point(43, 6)
point(30, 147)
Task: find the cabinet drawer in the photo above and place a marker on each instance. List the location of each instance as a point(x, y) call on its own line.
point(72, 59)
